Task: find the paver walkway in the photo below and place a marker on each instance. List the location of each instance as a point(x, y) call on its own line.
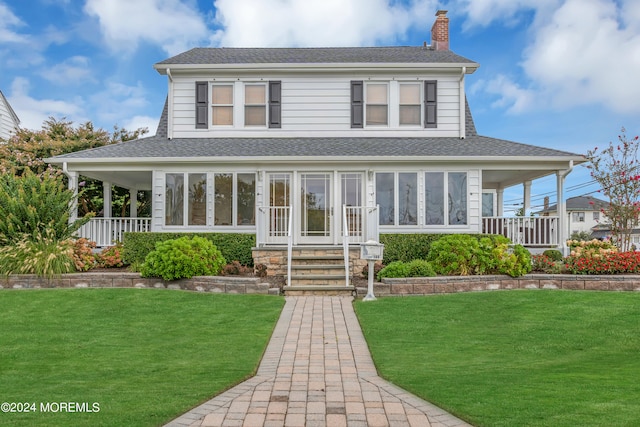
point(317, 371)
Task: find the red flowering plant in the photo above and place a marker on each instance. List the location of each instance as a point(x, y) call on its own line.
point(110, 257)
point(616, 169)
point(544, 264)
point(600, 257)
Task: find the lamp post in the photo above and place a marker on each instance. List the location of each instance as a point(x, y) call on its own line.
point(372, 252)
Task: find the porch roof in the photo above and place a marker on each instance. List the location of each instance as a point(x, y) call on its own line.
point(156, 148)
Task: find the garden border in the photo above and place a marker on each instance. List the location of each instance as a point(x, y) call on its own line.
point(388, 287)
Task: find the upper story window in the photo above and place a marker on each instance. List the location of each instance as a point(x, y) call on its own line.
point(377, 104)
point(215, 104)
point(255, 105)
point(410, 105)
point(578, 216)
point(222, 105)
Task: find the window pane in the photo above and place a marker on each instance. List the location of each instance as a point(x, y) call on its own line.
point(410, 114)
point(222, 94)
point(174, 199)
point(222, 116)
point(376, 114)
point(487, 204)
point(434, 198)
point(255, 116)
point(410, 94)
point(223, 208)
point(254, 94)
point(197, 199)
point(376, 94)
point(408, 198)
point(246, 199)
point(457, 186)
point(385, 197)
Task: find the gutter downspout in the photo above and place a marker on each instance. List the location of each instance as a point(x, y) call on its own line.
point(463, 116)
point(170, 105)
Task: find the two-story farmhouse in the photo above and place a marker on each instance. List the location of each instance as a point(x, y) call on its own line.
point(307, 145)
point(584, 213)
point(9, 121)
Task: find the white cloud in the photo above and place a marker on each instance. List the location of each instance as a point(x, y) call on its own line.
point(580, 52)
point(72, 71)
point(170, 24)
point(119, 102)
point(9, 22)
point(33, 112)
point(137, 122)
point(278, 23)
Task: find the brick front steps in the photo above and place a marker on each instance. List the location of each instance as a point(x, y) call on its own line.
point(389, 287)
point(451, 284)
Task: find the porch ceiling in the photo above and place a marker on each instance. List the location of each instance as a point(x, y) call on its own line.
point(140, 180)
point(493, 179)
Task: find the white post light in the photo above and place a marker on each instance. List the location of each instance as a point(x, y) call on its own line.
point(372, 252)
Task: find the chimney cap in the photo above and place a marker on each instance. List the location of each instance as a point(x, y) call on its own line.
point(441, 12)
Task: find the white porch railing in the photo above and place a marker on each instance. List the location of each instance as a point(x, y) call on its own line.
point(273, 225)
point(359, 224)
point(526, 231)
point(108, 231)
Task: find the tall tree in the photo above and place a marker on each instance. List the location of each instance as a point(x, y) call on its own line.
point(615, 168)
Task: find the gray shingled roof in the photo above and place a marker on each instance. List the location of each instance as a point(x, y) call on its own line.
point(159, 146)
point(318, 55)
point(580, 203)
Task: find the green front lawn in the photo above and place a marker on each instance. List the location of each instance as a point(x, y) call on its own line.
point(145, 356)
point(516, 358)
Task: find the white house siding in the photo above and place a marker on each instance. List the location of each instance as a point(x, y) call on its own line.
point(7, 122)
point(317, 104)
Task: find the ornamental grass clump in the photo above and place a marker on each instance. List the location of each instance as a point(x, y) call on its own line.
point(41, 254)
point(183, 258)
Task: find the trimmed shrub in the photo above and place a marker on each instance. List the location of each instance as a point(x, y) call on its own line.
point(553, 254)
point(233, 246)
point(42, 255)
point(420, 268)
point(407, 247)
point(454, 255)
point(183, 258)
point(395, 269)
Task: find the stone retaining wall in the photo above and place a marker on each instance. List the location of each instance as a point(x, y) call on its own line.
point(218, 284)
point(442, 285)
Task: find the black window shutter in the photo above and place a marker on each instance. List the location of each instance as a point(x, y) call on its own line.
point(275, 104)
point(431, 103)
point(202, 105)
point(357, 103)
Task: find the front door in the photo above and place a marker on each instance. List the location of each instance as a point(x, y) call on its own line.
point(316, 208)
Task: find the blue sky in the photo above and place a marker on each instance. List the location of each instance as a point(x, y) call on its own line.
point(556, 73)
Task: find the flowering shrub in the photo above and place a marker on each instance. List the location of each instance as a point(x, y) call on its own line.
point(83, 256)
point(546, 264)
point(110, 257)
point(592, 248)
point(609, 263)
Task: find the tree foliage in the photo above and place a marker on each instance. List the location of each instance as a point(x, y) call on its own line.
point(615, 168)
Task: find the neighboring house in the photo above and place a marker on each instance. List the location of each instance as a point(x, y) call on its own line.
point(583, 214)
point(378, 138)
point(9, 121)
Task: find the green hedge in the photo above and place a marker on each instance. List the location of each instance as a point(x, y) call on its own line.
point(234, 246)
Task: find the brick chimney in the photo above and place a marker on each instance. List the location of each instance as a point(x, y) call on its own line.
point(440, 31)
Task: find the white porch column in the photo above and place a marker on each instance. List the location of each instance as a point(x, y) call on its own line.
point(500, 201)
point(106, 195)
point(562, 211)
point(73, 186)
point(527, 198)
point(133, 202)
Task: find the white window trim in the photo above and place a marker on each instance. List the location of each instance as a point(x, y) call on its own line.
point(266, 104)
point(366, 104)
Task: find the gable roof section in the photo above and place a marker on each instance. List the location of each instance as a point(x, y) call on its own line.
point(13, 113)
point(318, 55)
